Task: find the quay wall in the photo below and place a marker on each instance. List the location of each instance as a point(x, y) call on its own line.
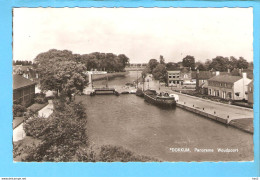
point(202, 113)
point(215, 117)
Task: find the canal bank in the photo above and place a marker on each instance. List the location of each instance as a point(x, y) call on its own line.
point(130, 122)
point(235, 116)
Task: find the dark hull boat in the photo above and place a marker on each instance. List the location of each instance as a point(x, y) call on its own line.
point(159, 100)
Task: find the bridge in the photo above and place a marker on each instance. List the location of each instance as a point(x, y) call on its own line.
point(90, 90)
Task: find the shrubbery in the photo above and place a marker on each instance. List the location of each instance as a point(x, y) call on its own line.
point(61, 134)
point(109, 153)
point(40, 98)
point(63, 138)
point(18, 110)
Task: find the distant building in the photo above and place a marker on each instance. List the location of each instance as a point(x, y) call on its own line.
point(23, 90)
point(202, 78)
point(250, 92)
point(229, 87)
point(26, 71)
point(174, 78)
point(181, 78)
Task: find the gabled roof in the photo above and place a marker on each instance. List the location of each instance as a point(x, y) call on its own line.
point(251, 83)
point(205, 75)
point(225, 78)
point(19, 82)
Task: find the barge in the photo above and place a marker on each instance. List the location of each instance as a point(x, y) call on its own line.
point(162, 99)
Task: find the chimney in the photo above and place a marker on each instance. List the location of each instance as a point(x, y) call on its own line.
point(244, 75)
point(217, 73)
point(228, 70)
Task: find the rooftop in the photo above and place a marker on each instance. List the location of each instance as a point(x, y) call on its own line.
point(225, 78)
point(205, 74)
point(19, 82)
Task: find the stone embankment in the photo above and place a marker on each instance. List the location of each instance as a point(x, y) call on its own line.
point(235, 116)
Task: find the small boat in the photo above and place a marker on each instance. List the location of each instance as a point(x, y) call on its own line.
point(125, 92)
point(162, 99)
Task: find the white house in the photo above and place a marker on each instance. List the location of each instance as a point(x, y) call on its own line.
point(229, 87)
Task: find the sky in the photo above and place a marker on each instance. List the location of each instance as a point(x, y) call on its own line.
point(139, 33)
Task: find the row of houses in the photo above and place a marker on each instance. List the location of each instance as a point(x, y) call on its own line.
point(221, 84)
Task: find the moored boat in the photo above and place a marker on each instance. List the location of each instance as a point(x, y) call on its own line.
point(162, 99)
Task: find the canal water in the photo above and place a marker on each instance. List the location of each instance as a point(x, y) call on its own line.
point(129, 121)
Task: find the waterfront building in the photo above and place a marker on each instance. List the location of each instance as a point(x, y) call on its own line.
point(174, 78)
point(250, 92)
point(23, 90)
point(181, 78)
point(229, 87)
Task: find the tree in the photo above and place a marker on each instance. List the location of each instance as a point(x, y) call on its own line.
point(152, 64)
point(172, 66)
point(219, 63)
point(242, 63)
point(159, 72)
point(60, 72)
point(207, 64)
point(61, 134)
point(200, 66)
point(189, 61)
point(162, 61)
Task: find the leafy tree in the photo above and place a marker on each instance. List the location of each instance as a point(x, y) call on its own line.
point(200, 66)
point(152, 64)
point(105, 61)
point(60, 72)
point(242, 63)
point(219, 63)
point(172, 66)
point(189, 61)
point(61, 134)
point(159, 72)
point(207, 64)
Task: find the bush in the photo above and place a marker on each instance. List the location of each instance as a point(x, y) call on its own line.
point(110, 153)
point(40, 98)
point(61, 134)
point(18, 110)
